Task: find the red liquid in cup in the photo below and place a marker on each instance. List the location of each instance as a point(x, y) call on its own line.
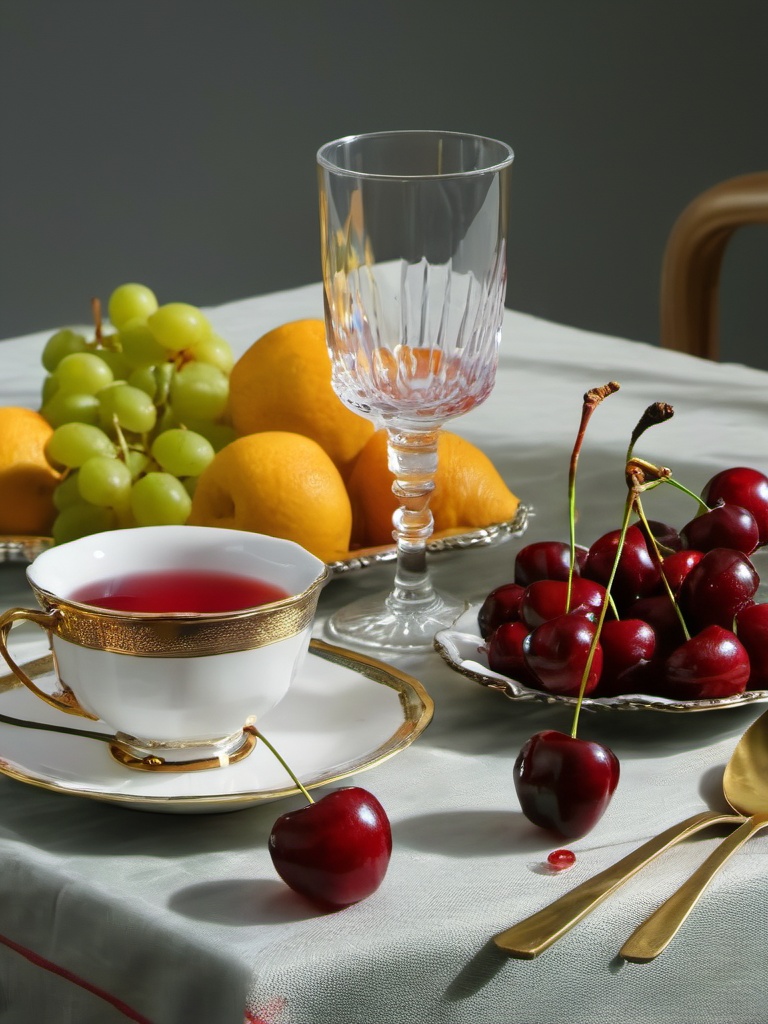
point(170, 591)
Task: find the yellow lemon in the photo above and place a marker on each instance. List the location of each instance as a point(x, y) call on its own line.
point(469, 491)
point(27, 481)
point(283, 382)
point(281, 484)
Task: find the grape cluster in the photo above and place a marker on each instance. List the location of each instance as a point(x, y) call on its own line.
point(138, 412)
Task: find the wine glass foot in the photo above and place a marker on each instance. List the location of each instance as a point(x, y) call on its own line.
point(381, 621)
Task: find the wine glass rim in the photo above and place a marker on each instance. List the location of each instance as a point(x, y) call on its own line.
point(324, 160)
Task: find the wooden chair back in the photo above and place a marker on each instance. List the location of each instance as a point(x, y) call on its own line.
point(690, 276)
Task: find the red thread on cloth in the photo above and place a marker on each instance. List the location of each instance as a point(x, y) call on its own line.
point(265, 1014)
point(48, 965)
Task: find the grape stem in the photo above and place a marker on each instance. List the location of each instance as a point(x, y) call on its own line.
point(96, 313)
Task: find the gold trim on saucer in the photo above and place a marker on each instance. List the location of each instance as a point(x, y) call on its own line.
point(415, 703)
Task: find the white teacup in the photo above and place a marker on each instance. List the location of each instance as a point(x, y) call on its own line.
point(180, 689)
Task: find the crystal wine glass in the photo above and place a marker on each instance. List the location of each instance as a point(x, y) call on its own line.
point(413, 235)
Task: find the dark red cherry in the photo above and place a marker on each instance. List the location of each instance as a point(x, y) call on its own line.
point(743, 486)
point(501, 605)
point(752, 631)
point(637, 573)
point(677, 566)
point(722, 583)
point(336, 850)
point(724, 526)
point(714, 663)
point(565, 784)
point(504, 651)
point(667, 537)
point(628, 645)
point(546, 560)
point(556, 652)
point(546, 599)
point(659, 612)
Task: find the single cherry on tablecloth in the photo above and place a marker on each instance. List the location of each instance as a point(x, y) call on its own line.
point(336, 850)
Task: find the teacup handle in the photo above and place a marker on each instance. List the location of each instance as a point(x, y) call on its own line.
point(65, 700)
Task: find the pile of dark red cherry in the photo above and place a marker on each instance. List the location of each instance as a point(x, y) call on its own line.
point(713, 644)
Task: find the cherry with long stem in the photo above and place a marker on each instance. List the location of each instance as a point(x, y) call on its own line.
point(336, 850)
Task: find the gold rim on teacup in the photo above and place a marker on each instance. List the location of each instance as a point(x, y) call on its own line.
point(182, 634)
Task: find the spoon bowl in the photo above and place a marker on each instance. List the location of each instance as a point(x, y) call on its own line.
point(745, 786)
point(745, 780)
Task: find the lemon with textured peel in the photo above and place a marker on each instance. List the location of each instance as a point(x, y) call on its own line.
point(27, 481)
point(283, 382)
point(469, 491)
point(281, 484)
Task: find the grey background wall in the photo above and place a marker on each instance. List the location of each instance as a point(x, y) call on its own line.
point(173, 141)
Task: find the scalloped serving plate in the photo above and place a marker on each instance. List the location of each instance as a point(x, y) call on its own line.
point(462, 648)
point(25, 549)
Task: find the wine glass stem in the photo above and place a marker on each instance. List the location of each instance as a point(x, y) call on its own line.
point(412, 459)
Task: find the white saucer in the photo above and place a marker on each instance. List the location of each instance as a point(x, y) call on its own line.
point(463, 649)
point(345, 713)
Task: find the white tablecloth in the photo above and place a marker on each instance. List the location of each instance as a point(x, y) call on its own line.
point(183, 918)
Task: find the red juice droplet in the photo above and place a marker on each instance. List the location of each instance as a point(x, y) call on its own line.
point(559, 860)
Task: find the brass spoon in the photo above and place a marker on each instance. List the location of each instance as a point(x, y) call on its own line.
point(745, 785)
point(527, 939)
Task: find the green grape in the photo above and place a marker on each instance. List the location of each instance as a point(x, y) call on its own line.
point(165, 421)
point(67, 492)
point(164, 374)
point(190, 485)
point(159, 499)
point(179, 326)
point(144, 378)
point(81, 520)
point(116, 362)
point(182, 452)
point(71, 407)
point(105, 482)
point(73, 443)
point(136, 461)
point(216, 351)
point(219, 434)
point(140, 348)
point(84, 372)
point(199, 391)
point(50, 387)
point(130, 407)
point(129, 302)
point(60, 344)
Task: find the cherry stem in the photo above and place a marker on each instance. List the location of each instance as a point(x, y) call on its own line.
point(628, 507)
point(592, 399)
point(703, 506)
point(660, 559)
point(285, 765)
point(658, 412)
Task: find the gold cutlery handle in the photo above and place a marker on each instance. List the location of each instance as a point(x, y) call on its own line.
point(657, 931)
point(532, 936)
